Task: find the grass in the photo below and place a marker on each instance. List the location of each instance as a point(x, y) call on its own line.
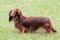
point(48, 8)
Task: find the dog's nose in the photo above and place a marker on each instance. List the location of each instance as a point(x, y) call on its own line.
point(10, 18)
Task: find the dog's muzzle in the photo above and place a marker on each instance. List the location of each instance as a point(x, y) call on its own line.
point(10, 18)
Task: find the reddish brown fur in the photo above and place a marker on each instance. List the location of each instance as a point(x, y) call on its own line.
point(30, 24)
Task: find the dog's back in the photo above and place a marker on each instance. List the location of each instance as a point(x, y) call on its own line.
point(36, 20)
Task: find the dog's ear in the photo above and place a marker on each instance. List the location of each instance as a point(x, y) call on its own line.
point(19, 12)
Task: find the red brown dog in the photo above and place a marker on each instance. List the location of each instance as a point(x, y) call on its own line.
point(29, 24)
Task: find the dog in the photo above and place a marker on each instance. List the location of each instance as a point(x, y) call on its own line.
point(29, 24)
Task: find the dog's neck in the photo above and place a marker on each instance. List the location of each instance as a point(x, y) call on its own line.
point(18, 19)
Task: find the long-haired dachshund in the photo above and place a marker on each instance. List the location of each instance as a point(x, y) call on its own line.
point(29, 24)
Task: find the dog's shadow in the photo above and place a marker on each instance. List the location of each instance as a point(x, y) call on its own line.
point(40, 33)
point(36, 33)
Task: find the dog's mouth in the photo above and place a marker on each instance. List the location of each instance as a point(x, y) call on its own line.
point(10, 18)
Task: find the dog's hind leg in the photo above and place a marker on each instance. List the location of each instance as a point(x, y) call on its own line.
point(49, 28)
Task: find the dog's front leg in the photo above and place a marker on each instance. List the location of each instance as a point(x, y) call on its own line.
point(22, 29)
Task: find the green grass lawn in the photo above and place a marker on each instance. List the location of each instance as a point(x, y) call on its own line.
point(48, 8)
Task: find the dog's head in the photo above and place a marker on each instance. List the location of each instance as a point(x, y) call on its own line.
point(14, 13)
